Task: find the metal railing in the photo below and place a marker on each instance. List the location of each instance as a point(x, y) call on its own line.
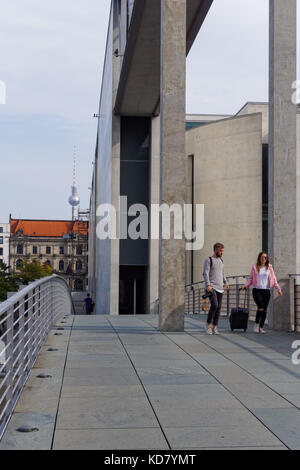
point(295, 302)
point(232, 298)
point(25, 321)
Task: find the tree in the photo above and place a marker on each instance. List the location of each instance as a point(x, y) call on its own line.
point(30, 272)
point(8, 282)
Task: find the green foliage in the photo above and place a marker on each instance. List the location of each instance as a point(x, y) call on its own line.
point(30, 272)
point(8, 282)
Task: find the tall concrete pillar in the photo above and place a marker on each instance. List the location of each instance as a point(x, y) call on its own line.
point(282, 153)
point(154, 199)
point(172, 174)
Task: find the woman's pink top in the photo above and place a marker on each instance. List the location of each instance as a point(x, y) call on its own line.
point(253, 280)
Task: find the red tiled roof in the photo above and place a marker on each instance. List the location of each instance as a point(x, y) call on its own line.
point(47, 228)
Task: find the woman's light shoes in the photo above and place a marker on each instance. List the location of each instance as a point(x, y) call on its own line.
point(257, 329)
point(209, 330)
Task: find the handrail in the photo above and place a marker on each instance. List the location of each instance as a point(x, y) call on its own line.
point(231, 300)
point(25, 321)
point(244, 276)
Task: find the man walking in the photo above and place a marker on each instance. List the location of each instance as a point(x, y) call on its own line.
point(214, 277)
point(89, 304)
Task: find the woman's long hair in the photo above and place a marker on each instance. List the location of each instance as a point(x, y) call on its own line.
point(258, 263)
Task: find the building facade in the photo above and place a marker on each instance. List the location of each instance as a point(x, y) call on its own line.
point(142, 118)
point(4, 243)
point(61, 244)
point(243, 168)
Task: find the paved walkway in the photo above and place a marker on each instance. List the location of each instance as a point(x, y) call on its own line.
point(118, 383)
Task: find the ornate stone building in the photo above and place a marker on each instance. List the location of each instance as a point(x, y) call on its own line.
point(60, 243)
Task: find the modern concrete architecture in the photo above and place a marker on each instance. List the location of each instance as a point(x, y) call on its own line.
point(150, 152)
point(140, 154)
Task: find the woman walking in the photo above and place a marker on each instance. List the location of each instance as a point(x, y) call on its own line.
point(263, 279)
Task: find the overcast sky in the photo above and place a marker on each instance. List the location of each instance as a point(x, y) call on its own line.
point(51, 58)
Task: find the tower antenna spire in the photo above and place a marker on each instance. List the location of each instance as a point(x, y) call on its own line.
point(74, 199)
point(74, 166)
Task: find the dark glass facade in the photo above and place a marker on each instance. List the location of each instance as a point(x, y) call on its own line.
point(135, 185)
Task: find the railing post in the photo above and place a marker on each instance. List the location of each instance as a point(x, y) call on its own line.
point(21, 343)
point(31, 328)
point(228, 303)
point(293, 319)
point(193, 300)
point(10, 356)
point(237, 292)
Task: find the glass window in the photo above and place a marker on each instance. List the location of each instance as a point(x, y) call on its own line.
point(1, 251)
point(1, 240)
point(1, 229)
point(48, 250)
point(79, 250)
point(61, 265)
point(61, 250)
point(20, 249)
point(19, 264)
point(34, 250)
point(78, 265)
point(78, 284)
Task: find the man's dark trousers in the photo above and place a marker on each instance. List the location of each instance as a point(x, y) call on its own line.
point(215, 308)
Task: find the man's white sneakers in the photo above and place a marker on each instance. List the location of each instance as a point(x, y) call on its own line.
point(262, 331)
point(256, 328)
point(216, 331)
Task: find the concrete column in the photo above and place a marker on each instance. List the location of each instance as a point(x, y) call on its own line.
point(282, 159)
point(154, 199)
point(173, 181)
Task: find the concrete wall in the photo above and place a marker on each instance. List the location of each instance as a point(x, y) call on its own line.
point(106, 188)
point(263, 108)
point(298, 199)
point(228, 181)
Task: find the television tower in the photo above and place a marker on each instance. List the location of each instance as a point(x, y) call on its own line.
point(74, 199)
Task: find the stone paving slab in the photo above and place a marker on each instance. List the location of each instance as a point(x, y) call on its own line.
point(256, 395)
point(284, 423)
point(103, 391)
point(113, 439)
point(100, 376)
point(118, 383)
point(39, 440)
point(109, 412)
point(220, 436)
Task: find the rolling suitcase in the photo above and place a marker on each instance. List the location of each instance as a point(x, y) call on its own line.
point(239, 317)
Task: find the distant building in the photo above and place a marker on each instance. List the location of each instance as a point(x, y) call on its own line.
point(4, 243)
point(60, 243)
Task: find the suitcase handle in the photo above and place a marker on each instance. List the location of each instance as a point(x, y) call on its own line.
point(241, 288)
